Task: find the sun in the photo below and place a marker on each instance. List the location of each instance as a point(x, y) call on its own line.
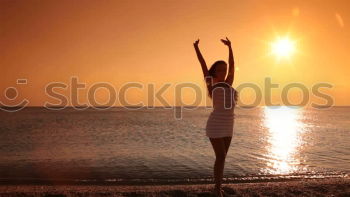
point(283, 47)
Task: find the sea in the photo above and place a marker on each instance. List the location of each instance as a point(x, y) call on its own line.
point(136, 146)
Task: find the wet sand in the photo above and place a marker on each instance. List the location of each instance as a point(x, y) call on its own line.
point(316, 187)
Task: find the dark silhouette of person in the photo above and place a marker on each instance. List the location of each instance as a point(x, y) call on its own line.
point(220, 123)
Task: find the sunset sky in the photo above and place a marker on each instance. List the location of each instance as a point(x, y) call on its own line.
point(151, 42)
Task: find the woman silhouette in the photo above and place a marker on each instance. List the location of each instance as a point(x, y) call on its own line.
point(219, 126)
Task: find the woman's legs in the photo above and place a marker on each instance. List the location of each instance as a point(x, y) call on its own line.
point(220, 154)
point(227, 141)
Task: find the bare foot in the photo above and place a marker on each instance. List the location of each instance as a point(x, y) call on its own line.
point(224, 194)
point(218, 192)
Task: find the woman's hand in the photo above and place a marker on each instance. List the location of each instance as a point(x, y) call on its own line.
point(195, 44)
point(227, 42)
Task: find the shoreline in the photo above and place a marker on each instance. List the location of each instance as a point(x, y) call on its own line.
point(304, 187)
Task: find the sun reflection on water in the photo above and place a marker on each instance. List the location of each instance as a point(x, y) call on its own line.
point(284, 139)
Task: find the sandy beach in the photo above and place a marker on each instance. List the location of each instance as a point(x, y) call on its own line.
point(316, 187)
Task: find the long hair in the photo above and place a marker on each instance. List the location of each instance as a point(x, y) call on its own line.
point(212, 70)
point(212, 74)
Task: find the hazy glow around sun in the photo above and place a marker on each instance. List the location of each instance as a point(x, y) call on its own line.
point(282, 47)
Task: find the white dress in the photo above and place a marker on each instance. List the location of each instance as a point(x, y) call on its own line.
point(221, 120)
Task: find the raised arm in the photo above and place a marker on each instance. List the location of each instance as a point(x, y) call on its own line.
point(201, 59)
point(207, 77)
point(231, 68)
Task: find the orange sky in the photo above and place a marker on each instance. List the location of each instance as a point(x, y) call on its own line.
point(151, 42)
